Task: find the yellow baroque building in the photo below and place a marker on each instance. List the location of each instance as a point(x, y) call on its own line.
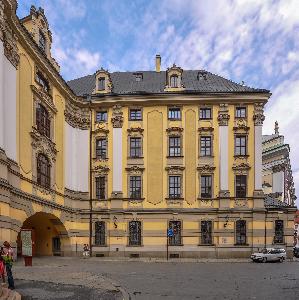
point(116, 159)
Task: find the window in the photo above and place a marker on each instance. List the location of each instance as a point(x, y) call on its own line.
point(205, 146)
point(174, 113)
point(138, 77)
point(278, 238)
point(240, 145)
point(101, 148)
point(42, 120)
point(135, 147)
point(241, 232)
point(101, 83)
point(100, 239)
point(42, 41)
point(101, 116)
point(174, 81)
point(174, 187)
point(240, 112)
point(241, 186)
point(43, 171)
point(206, 232)
point(135, 114)
point(135, 187)
point(135, 233)
point(206, 186)
point(176, 239)
point(101, 187)
point(205, 113)
point(42, 81)
point(174, 146)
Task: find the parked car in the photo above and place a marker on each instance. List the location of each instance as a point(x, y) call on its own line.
point(269, 254)
point(296, 252)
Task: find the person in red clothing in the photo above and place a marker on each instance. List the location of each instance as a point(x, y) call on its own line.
point(8, 259)
point(2, 265)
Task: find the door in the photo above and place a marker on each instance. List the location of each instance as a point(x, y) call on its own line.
point(56, 246)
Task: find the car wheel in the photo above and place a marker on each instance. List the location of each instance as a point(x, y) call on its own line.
point(264, 259)
point(281, 259)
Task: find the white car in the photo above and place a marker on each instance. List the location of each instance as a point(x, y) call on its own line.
point(269, 254)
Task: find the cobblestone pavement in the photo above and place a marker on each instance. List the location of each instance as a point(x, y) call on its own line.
point(238, 279)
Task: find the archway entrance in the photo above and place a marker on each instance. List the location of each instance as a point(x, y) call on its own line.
point(49, 236)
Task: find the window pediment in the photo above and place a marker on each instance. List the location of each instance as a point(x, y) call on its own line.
point(103, 82)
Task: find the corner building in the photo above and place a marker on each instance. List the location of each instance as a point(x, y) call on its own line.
point(123, 156)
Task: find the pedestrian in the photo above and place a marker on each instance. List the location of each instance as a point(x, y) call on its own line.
point(85, 251)
point(2, 265)
point(8, 260)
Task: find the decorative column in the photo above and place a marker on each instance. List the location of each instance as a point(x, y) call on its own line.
point(117, 123)
point(258, 118)
point(223, 118)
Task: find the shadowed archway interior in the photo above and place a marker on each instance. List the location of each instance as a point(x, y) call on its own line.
point(49, 236)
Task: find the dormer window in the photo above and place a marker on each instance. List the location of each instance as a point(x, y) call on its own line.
point(42, 81)
point(42, 41)
point(174, 81)
point(138, 77)
point(101, 84)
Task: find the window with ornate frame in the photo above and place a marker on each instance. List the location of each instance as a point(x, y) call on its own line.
point(101, 187)
point(135, 114)
point(101, 116)
point(176, 239)
point(206, 186)
point(240, 232)
point(174, 186)
point(43, 170)
point(43, 122)
point(240, 112)
point(205, 145)
point(174, 81)
point(174, 146)
point(135, 233)
point(135, 187)
point(174, 113)
point(101, 148)
point(241, 186)
point(240, 145)
point(206, 233)
point(135, 147)
point(42, 41)
point(100, 233)
point(279, 232)
point(42, 81)
point(205, 113)
point(101, 83)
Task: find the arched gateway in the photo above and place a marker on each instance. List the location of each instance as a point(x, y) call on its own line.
point(49, 236)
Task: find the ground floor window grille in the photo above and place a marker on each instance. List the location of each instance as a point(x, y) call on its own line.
point(278, 238)
point(176, 239)
point(100, 233)
point(206, 232)
point(135, 233)
point(241, 232)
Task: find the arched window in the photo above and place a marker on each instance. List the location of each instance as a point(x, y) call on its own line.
point(43, 170)
point(174, 81)
point(42, 120)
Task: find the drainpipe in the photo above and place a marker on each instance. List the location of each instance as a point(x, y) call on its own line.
point(90, 176)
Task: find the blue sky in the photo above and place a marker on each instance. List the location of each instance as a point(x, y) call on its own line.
point(256, 41)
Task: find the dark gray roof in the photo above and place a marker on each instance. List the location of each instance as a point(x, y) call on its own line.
point(272, 202)
point(154, 83)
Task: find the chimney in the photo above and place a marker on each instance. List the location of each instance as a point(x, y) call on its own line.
point(158, 63)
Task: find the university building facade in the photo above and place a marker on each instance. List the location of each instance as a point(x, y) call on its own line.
point(115, 159)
